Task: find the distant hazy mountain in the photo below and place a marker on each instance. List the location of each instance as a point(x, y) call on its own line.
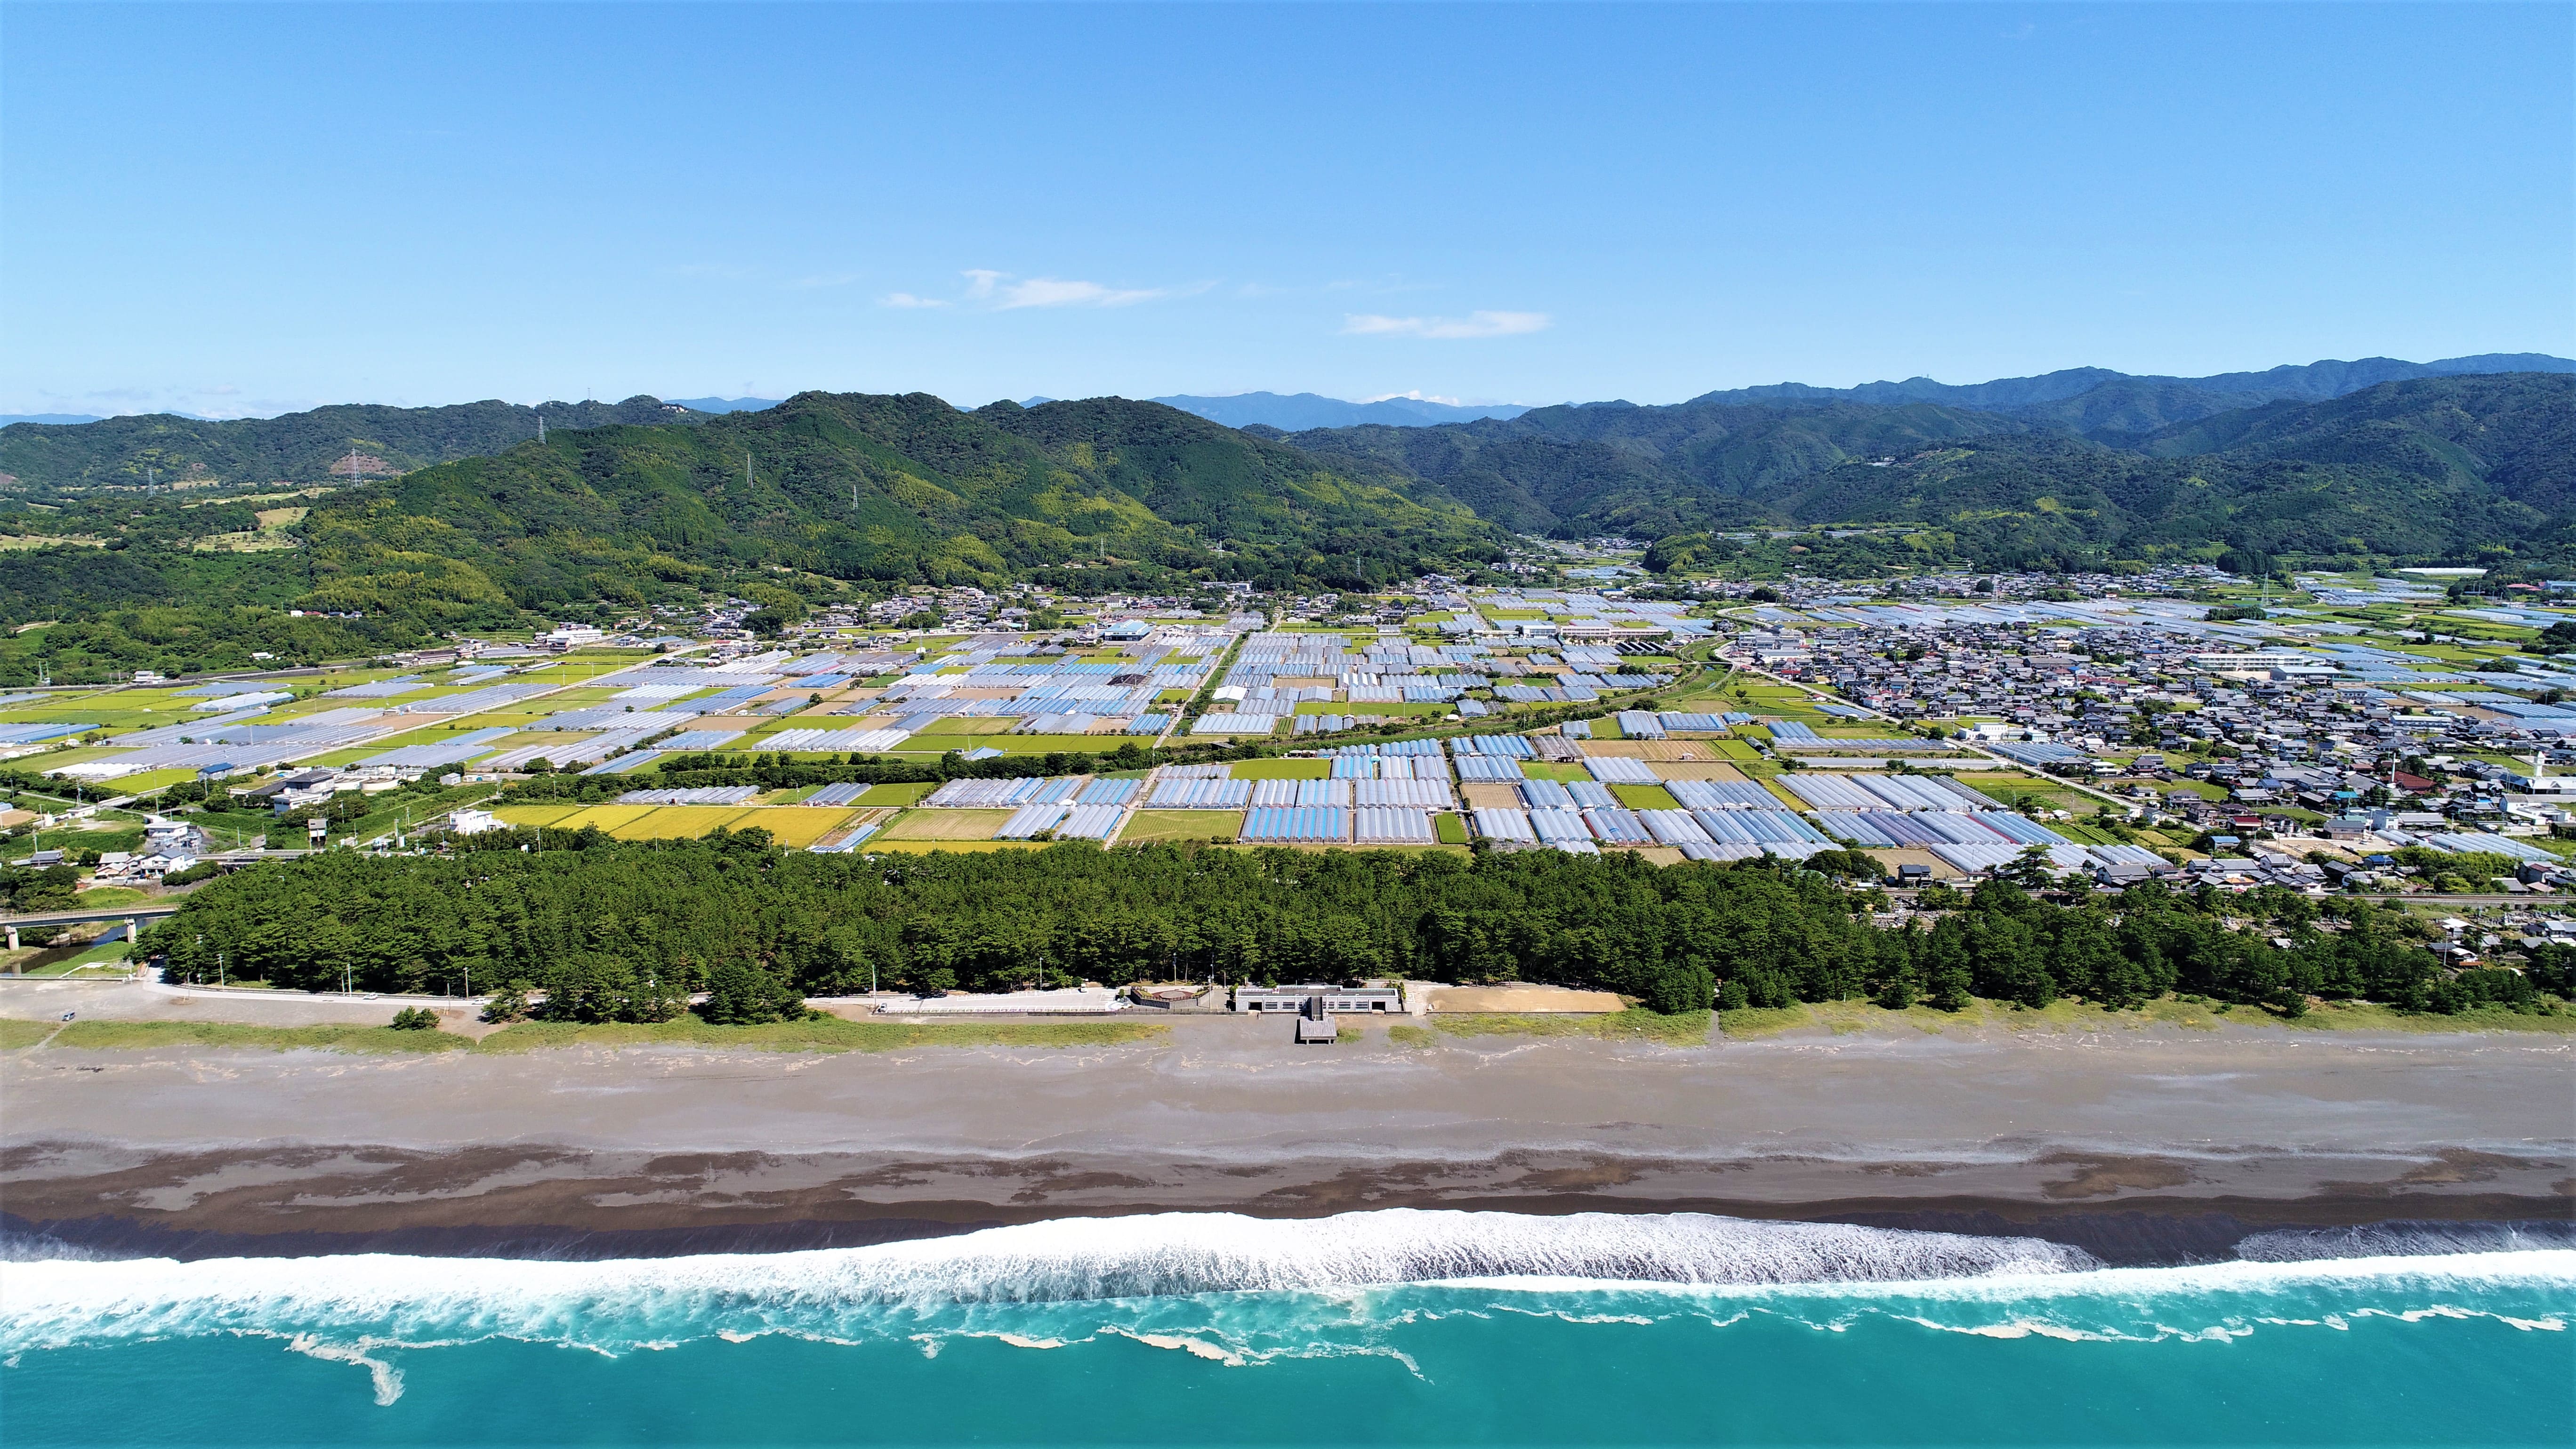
point(726, 404)
point(7, 418)
point(2095, 400)
point(301, 447)
point(1300, 411)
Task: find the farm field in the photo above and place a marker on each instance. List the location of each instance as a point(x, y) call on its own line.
point(1146, 826)
point(1282, 769)
point(943, 825)
point(1669, 770)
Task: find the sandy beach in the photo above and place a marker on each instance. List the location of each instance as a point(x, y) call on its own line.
point(2143, 1143)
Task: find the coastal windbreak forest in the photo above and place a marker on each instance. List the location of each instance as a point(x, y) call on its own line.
point(586, 928)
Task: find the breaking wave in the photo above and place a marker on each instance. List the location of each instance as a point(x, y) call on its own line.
point(2404, 1240)
point(1153, 1256)
point(1245, 1290)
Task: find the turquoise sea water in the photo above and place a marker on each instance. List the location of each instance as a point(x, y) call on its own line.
point(1370, 1328)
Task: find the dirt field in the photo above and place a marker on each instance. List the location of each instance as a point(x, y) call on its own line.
point(1698, 751)
point(1913, 855)
point(1489, 796)
point(1671, 771)
point(1522, 999)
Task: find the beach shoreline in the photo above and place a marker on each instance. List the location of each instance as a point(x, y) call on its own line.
point(2150, 1144)
point(557, 1203)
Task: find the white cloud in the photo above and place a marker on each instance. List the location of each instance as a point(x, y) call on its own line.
point(1006, 292)
point(1474, 324)
point(1416, 395)
point(906, 299)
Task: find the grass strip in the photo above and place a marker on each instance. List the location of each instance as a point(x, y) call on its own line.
point(130, 1035)
point(1688, 1028)
point(830, 1034)
point(1846, 1018)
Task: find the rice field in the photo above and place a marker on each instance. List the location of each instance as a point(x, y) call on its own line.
point(944, 825)
point(1152, 825)
point(610, 818)
point(678, 822)
point(799, 826)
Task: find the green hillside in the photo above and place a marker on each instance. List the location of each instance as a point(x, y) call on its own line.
point(891, 489)
point(821, 492)
point(1614, 467)
point(2438, 468)
point(830, 492)
point(43, 458)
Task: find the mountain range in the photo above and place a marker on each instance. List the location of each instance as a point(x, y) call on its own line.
point(1111, 494)
point(623, 498)
point(2094, 400)
point(1296, 412)
point(2430, 467)
point(306, 447)
point(850, 486)
point(726, 404)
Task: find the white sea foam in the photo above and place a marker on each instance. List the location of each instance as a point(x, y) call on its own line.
point(1068, 1259)
point(2402, 1240)
point(1241, 1289)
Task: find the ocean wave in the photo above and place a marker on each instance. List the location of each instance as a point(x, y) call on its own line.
point(1069, 1259)
point(2404, 1240)
point(1243, 1290)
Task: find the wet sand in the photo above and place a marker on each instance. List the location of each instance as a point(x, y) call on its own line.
point(2143, 1144)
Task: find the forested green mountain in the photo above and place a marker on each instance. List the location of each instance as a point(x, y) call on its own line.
point(1652, 470)
point(2437, 467)
point(1093, 495)
point(898, 489)
point(292, 448)
point(1108, 494)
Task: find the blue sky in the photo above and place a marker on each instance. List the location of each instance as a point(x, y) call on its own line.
point(243, 210)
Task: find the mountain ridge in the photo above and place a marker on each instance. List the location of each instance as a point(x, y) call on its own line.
point(2448, 467)
point(305, 447)
point(1294, 412)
